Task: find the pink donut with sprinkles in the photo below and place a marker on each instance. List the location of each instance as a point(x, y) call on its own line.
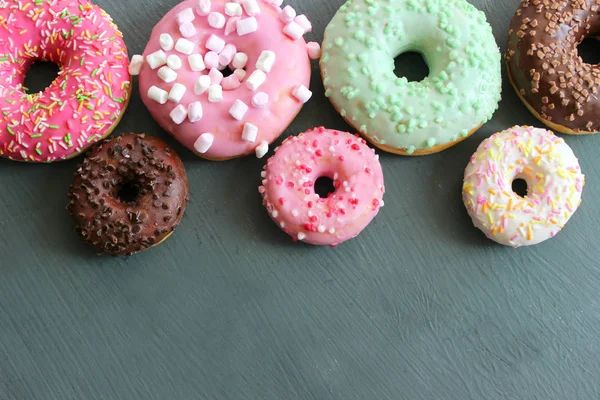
point(288, 186)
point(88, 98)
point(225, 77)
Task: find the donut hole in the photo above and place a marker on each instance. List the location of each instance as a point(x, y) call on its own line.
point(589, 51)
point(128, 192)
point(227, 71)
point(520, 187)
point(412, 66)
point(324, 187)
point(40, 76)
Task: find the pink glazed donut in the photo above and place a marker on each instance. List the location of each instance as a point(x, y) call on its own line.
point(88, 98)
point(226, 78)
point(289, 178)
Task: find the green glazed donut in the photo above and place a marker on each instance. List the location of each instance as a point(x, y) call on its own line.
point(460, 94)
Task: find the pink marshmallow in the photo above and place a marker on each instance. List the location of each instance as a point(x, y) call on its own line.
point(314, 50)
point(211, 60)
point(226, 55)
point(230, 83)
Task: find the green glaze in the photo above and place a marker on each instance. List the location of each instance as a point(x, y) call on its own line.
point(461, 92)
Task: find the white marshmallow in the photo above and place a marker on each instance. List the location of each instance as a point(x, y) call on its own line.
point(216, 20)
point(158, 95)
point(184, 46)
point(238, 110)
point(195, 111)
point(203, 8)
point(303, 21)
point(184, 16)
point(262, 149)
point(136, 64)
point(202, 84)
point(240, 74)
point(256, 80)
point(187, 29)
point(203, 143)
point(196, 63)
point(166, 42)
point(314, 50)
point(233, 9)
point(211, 60)
point(302, 93)
point(265, 61)
point(246, 26)
point(260, 100)
point(230, 83)
point(167, 74)
point(215, 93)
point(250, 132)
point(276, 3)
point(251, 7)
point(231, 25)
point(156, 59)
point(216, 77)
point(293, 30)
point(288, 14)
point(179, 114)
point(215, 43)
point(177, 92)
point(239, 60)
point(226, 55)
point(174, 62)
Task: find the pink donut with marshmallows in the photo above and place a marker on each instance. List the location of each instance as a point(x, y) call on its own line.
point(226, 77)
point(288, 186)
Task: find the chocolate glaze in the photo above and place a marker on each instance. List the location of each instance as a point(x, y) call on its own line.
point(545, 66)
point(116, 225)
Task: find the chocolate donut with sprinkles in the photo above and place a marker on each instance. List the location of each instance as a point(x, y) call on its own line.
point(226, 78)
point(88, 98)
point(128, 194)
point(555, 84)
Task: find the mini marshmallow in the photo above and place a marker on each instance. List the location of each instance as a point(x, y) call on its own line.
point(215, 43)
point(179, 114)
point(265, 61)
point(202, 84)
point(256, 80)
point(250, 132)
point(187, 29)
point(246, 26)
point(251, 7)
point(260, 100)
point(136, 64)
point(167, 74)
point(240, 74)
point(288, 14)
point(184, 46)
point(184, 16)
point(262, 149)
point(302, 93)
point(195, 111)
point(239, 60)
point(196, 63)
point(174, 62)
point(226, 55)
point(233, 9)
point(231, 25)
point(158, 95)
point(230, 83)
point(293, 30)
point(216, 77)
point(314, 50)
point(303, 21)
point(156, 59)
point(166, 42)
point(215, 93)
point(216, 20)
point(238, 110)
point(203, 8)
point(177, 92)
point(211, 60)
point(203, 143)
point(276, 3)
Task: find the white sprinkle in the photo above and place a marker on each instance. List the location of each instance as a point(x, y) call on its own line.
point(303, 21)
point(293, 30)
point(314, 50)
point(184, 46)
point(250, 132)
point(282, 225)
point(265, 61)
point(275, 214)
point(302, 93)
point(246, 26)
point(231, 25)
point(227, 54)
point(239, 60)
point(331, 231)
point(262, 149)
point(166, 42)
point(288, 14)
point(215, 93)
point(196, 62)
point(204, 142)
point(216, 77)
point(211, 60)
point(136, 64)
point(195, 111)
point(301, 236)
point(240, 74)
point(260, 100)
point(215, 44)
point(174, 62)
point(178, 114)
point(203, 8)
point(177, 92)
point(238, 110)
point(295, 213)
point(233, 9)
point(187, 30)
point(156, 59)
point(321, 228)
point(167, 74)
point(184, 16)
point(251, 7)
point(216, 20)
point(256, 79)
point(202, 84)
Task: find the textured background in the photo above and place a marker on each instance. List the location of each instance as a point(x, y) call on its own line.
point(420, 306)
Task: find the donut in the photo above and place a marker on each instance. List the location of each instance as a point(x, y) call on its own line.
point(227, 78)
point(460, 94)
point(554, 186)
point(88, 98)
point(128, 194)
point(544, 68)
point(288, 186)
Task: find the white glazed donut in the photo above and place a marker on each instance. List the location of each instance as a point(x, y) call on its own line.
point(554, 186)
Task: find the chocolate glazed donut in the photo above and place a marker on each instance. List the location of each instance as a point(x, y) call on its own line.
point(128, 195)
point(557, 86)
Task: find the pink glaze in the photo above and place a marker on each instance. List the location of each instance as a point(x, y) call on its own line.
point(290, 70)
point(86, 100)
point(288, 186)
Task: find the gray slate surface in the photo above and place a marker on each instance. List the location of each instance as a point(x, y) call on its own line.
point(420, 306)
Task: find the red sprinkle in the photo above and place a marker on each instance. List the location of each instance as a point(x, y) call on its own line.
point(319, 153)
point(355, 147)
point(281, 200)
point(290, 184)
point(313, 218)
point(309, 204)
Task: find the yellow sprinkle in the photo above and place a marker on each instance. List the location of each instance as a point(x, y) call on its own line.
point(490, 218)
point(492, 191)
point(24, 31)
point(553, 221)
point(529, 233)
point(561, 173)
point(509, 206)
